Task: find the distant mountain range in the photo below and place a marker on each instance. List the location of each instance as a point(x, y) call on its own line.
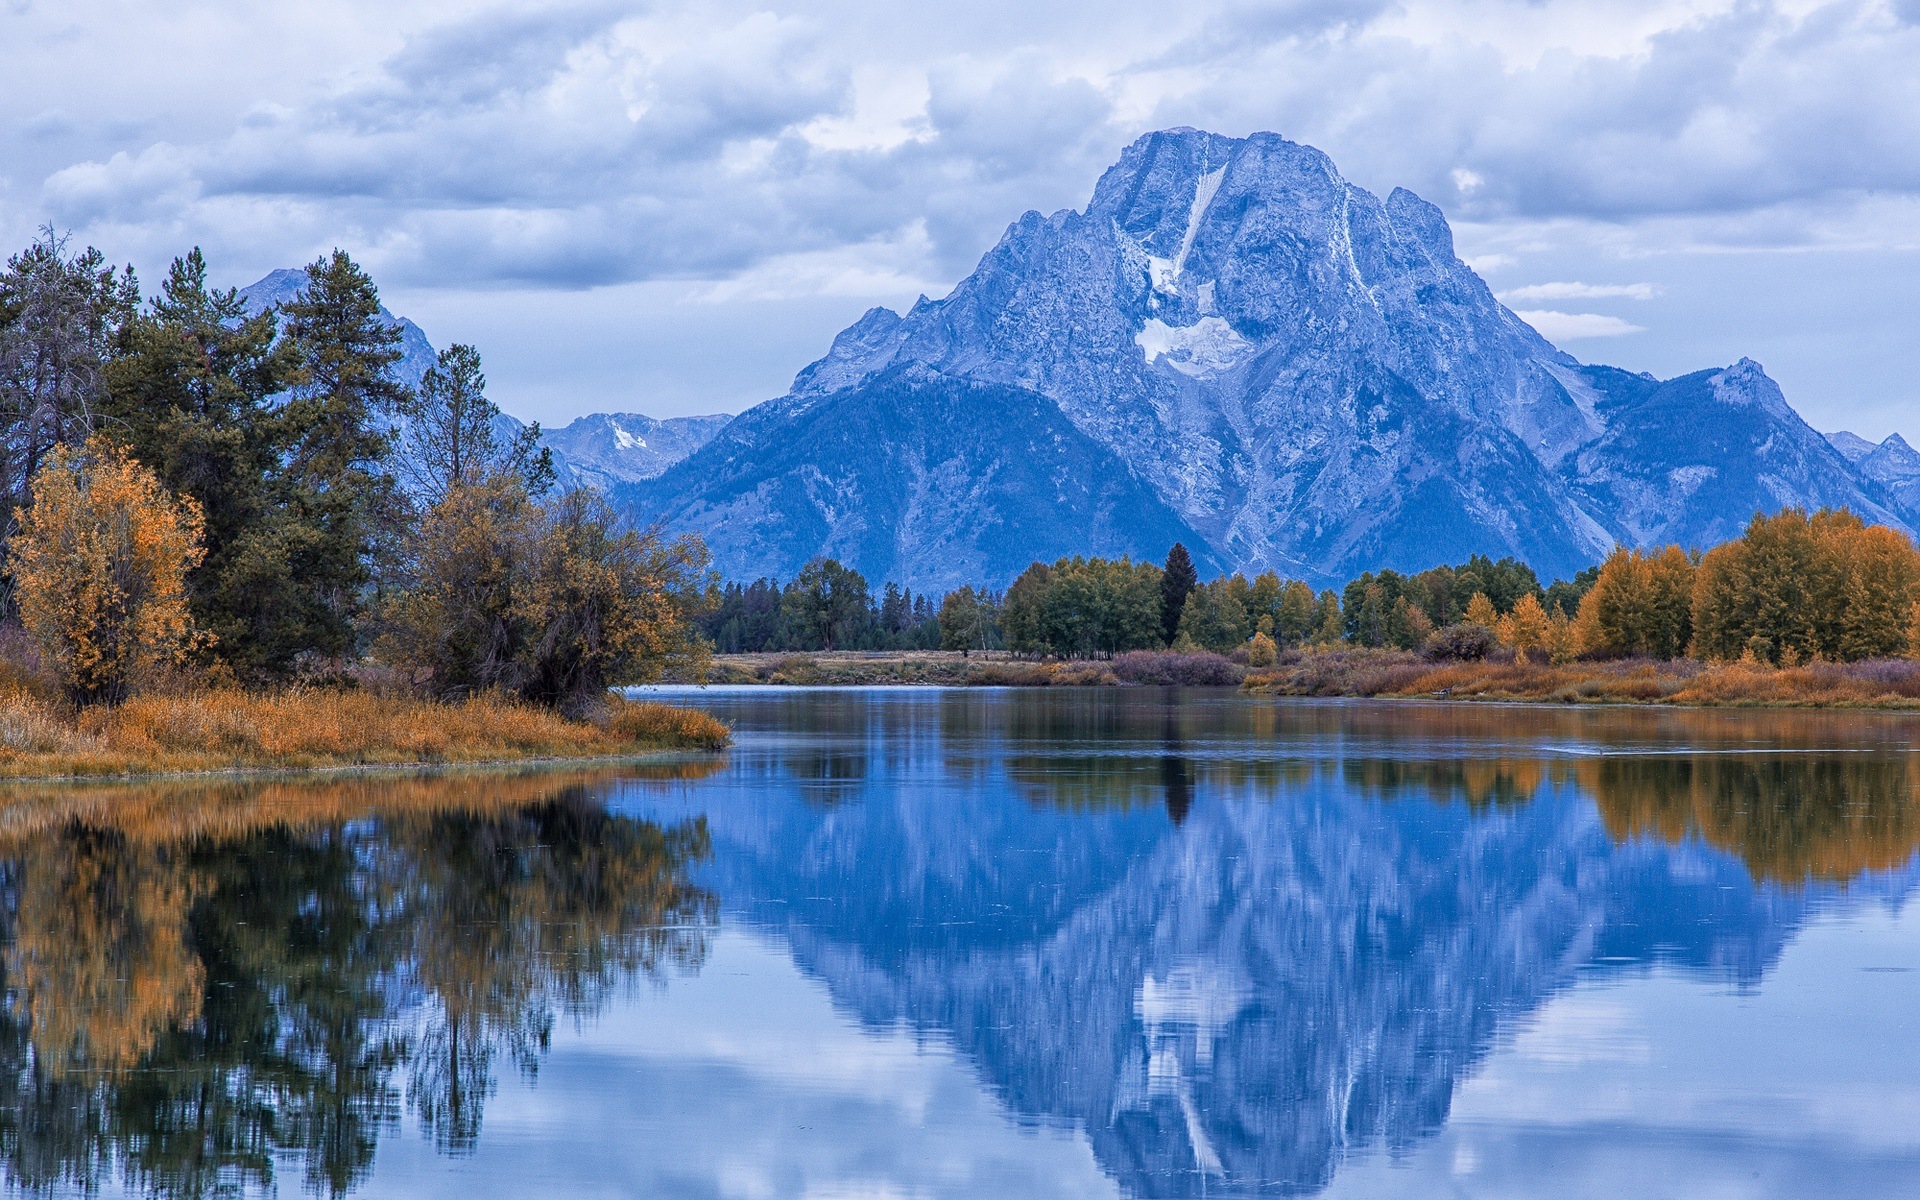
point(1234, 347)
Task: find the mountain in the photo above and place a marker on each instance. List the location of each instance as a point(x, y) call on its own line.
point(610, 448)
point(1303, 374)
point(281, 286)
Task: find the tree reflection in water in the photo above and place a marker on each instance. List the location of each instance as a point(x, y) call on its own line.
point(205, 982)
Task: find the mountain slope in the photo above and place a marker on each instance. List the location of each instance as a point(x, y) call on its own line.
point(897, 477)
point(1310, 378)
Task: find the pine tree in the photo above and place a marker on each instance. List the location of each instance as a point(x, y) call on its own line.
point(190, 395)
point(1177, 581)
point(1480, 611)
point(344, 504)
point(452, 434)
point(61, 316)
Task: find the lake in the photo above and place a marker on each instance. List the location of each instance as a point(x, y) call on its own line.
point(1046, 943)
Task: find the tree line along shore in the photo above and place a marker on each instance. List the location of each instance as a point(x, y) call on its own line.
point(235, 539)
point(1803, 608)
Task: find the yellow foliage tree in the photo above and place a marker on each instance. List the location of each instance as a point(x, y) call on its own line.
point(1480, 611)
point(99, 571)
point(1261, 652)
point(1527, 628)
point(1795, 588)
point(1642, 604)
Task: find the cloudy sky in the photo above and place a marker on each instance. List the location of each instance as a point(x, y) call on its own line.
point(672, 207)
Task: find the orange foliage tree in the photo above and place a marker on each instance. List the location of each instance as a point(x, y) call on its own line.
point(99, 570)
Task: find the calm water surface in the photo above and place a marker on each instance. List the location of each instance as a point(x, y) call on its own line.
point(995, 944)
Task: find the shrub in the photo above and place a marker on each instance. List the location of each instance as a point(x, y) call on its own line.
point(1261, 652)
point(1460, 643)
point(1174, 669)
point(551, 602)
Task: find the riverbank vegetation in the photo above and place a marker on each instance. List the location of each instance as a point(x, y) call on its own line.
point(1803, 608)
point(235, 538)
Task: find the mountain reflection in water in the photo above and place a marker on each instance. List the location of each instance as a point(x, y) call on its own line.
point(1228, 946)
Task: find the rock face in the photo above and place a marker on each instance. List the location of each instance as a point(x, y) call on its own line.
point(605, 449)
point(1305, 375)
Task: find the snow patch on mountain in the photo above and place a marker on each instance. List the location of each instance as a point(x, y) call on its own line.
point(1202, 349)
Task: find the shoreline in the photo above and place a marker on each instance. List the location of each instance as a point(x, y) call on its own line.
point(1891, 686)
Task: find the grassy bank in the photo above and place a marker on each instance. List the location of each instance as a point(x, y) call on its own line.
point(1877, 684)
point(307, 729)
point(1892, 684)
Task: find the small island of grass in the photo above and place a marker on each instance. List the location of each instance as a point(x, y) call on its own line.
point(228, 729)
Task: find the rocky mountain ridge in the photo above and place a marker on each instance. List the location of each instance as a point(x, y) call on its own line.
point(1305, 375)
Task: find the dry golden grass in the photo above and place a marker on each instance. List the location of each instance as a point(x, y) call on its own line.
point(229, 729)
point(1881, 684)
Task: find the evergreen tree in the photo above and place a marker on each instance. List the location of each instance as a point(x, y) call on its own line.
point(61, 318)
point(189, 396)
point(342, 502)
point(451, 435)
point(1177, 581)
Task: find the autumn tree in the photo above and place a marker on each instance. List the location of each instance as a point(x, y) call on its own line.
point(1796, 586)
point(1480, 611)
point(99, 567)
point(191, 396)
point(553, 603)
point(605, 604)
point(1527, 629)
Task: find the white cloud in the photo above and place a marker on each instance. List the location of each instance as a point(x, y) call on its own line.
point(1579, 291)
point(1561, 327)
